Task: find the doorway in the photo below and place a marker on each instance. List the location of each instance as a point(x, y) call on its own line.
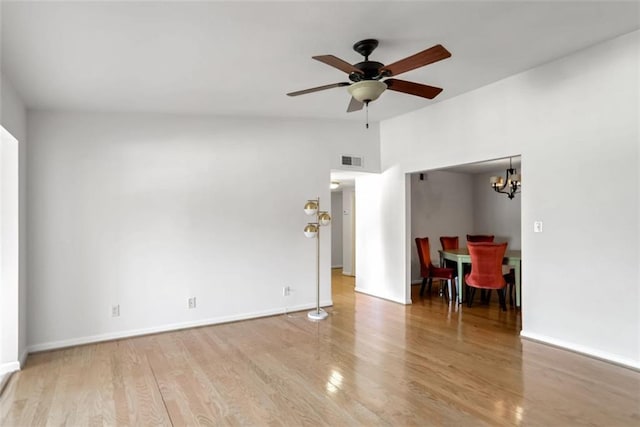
point(343, 228)
point(457, 201)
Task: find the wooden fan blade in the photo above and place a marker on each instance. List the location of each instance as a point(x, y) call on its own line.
point(316, 89)
point(338, 63)
point(354, 105)
point(420, 59)
point(412, 88)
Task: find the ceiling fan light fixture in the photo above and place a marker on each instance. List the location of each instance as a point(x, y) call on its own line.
point(367, 90)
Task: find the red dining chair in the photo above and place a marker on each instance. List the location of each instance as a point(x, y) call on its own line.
point(475, 238)
point(428, 271)
point(509, 275)
point(447, 243)
point(486, 271)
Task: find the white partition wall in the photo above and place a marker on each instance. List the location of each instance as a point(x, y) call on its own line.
point(383, 229)
point(13, 313)
point(9, 265)
point(575, 122)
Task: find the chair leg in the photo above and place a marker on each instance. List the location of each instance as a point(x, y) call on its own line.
point(511, 303)
point(471, 292)
point(450, 294)
point(488, 299)
point(502, 296)
point(424, 282)
point(430, 282)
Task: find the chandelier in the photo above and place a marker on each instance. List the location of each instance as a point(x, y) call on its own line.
point(509, 185)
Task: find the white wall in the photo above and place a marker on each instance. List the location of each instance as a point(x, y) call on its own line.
point(336, 229)
point(383, 229)
point(9, 266)
point(348, 230)
point(494, 213)
point(575, 122)
point(13, 316)
point(441, 205)
point(146, 211)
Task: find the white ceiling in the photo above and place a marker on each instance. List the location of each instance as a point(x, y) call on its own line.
point(240, 58)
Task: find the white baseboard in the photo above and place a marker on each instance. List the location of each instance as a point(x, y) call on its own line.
point(587, 351)
point(6, 369)
point(346, 273)
point(336, 266)
point(171, 327)
point(373, 294)
point(9, 367)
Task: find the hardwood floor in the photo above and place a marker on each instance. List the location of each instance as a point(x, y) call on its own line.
point(372, 362)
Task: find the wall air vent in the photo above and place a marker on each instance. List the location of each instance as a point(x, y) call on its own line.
point(351, 161)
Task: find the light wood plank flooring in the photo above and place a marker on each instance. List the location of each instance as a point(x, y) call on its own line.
point(372, 362)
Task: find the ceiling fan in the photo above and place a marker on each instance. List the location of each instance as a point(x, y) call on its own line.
point(366, 76)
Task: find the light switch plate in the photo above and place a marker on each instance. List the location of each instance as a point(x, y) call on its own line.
point(537, 226)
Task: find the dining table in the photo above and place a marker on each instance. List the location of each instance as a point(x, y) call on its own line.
point(512, 258)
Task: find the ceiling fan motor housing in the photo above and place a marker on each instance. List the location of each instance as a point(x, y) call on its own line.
point(370, 71)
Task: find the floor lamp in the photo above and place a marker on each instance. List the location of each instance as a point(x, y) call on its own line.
point(312, 207)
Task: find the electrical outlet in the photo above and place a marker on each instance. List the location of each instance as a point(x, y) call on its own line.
point(286, 291)
point(192, 302)
point(115, 310)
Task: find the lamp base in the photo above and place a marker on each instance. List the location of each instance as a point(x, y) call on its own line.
point(317, 314)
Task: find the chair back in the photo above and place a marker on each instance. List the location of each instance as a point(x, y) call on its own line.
point(449, 242)
point(486, 265)
point(424, 255)
point(474, 238)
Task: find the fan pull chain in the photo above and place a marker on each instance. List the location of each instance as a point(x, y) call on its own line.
point(367, 114)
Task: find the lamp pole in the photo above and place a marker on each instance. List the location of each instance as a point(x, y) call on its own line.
point(317, 314)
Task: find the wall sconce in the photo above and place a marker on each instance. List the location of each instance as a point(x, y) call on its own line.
point(511, 182)
point(312, 230)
